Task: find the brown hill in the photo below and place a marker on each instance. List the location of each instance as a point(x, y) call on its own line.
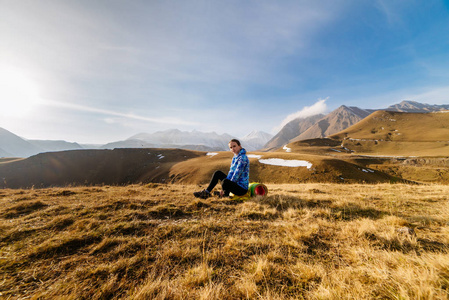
point(398, 133)
point(92, 167)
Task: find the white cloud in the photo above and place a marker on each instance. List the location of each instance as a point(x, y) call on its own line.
point(319, 107)
point(132, 116)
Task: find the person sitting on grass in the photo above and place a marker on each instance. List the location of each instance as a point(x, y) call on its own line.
point(236, 181)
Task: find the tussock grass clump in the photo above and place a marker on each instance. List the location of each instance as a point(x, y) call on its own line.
point(156, 241)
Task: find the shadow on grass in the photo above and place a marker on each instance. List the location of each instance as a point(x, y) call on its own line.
point(348, 212)
point(17, 235)
point(23, 209)
point(69, 246)
point(405, 245)
point(353, 212)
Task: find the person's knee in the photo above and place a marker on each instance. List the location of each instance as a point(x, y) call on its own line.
point(219, 175)
point(218, 172)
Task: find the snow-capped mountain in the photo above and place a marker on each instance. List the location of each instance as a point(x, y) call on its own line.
point(174, 138)
point(255, 140)
point(178, 137)
point(193, 140)
point(413, 106)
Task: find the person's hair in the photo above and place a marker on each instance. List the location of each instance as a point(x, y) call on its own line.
point(235, 141)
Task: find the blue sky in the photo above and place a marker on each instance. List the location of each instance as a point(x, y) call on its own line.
point(102, 71)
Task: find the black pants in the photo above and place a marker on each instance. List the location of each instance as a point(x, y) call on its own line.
point(227, 185)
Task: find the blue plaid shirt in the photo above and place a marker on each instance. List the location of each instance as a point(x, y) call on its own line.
point(239, 171)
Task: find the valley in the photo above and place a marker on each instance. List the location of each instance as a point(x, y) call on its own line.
point(384, 147)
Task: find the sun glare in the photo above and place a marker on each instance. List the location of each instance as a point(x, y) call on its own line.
point(18, 93)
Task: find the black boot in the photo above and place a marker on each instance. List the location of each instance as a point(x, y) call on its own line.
point(203, 194)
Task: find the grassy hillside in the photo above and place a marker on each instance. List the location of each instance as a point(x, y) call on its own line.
point(398, 133)
point(303, 241)
point(417, 169)
point(424, 169)
point(323, 169)
point(92, 167)
point(401, 127)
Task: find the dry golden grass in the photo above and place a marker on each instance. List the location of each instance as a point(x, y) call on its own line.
point(303, 241)
point(397, 134)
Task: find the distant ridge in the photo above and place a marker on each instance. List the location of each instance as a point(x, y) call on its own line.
point(193, 140)
point(55, 145)
point(136, 143)
point(413, 106)
point(175, 138)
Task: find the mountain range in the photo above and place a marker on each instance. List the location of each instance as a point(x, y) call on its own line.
point(194, 140)
point(317, 126)
point(338, 120)
point(12, 145)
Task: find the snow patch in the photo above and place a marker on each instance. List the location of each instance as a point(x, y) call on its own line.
point(286, 163)
point(254, 156)
point(287, 149)
point(211, 153)
point(160, 156)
